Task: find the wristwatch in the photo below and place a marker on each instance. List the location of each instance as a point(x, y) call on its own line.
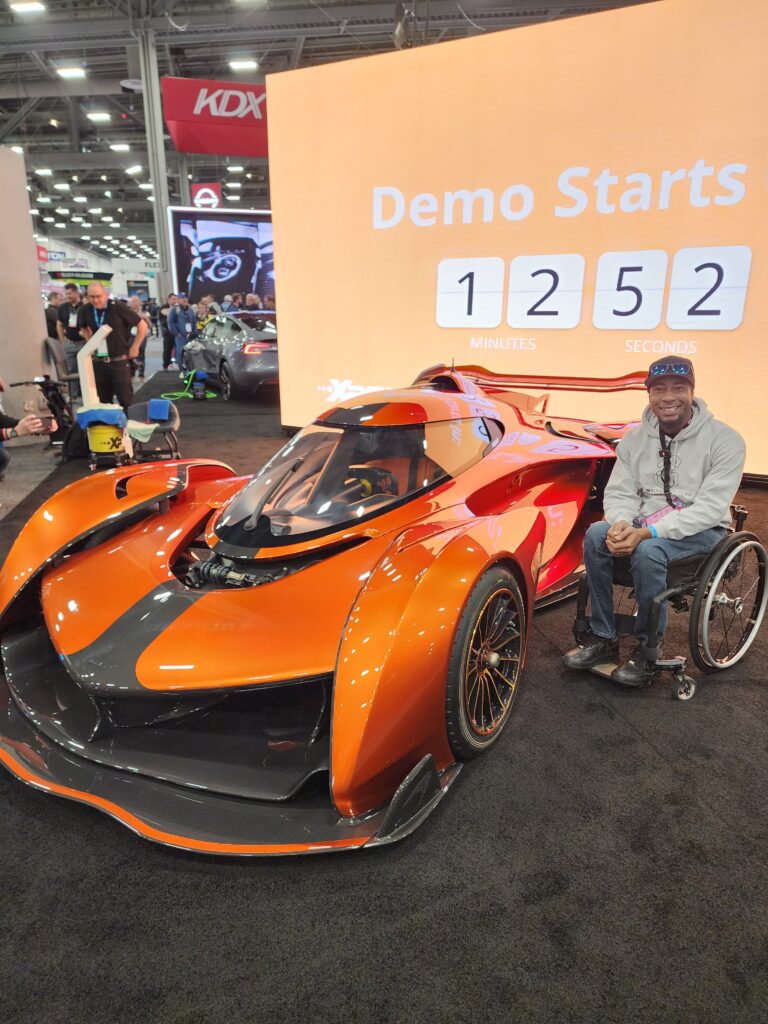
point(13, 433)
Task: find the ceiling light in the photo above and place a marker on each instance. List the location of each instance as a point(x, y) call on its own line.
point(49, 220)
point(85, 238)
point(76, 220)
point(62, 186)
point(133, 169)
point(73, 71)
point(17, 149)
point(235, 169)
point(151, 199)
point(53, 123)
point(108, 193)
point(232, 199)
point(120, 147)
point(60, 224)
point(146, 185)
point(108, 238)
point(98, 116)
point(103, 177)
point(80, 199)
point(27, 7)
point(95, 209)
point(234, 184)
point(34, 212)
point(131, 238)
point(62, 209)
point(244, 64)
point(107, 218)
point(43, 199)
point(44, 172)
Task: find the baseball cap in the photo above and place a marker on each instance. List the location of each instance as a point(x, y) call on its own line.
point(670, 368)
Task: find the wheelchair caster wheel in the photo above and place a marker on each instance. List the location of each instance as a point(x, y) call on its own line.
point(683, 688)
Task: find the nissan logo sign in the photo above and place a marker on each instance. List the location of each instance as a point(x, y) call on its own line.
point(206, 199)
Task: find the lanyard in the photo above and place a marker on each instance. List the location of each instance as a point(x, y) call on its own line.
point(99, 319)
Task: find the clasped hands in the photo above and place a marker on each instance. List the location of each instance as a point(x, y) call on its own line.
point(622, 538)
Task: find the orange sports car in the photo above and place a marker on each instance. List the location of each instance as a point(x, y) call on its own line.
point(300, 660)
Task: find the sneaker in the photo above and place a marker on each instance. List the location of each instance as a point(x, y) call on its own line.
point(593, 651)
point(173, 365)
point(637, 672)
point(182, 376)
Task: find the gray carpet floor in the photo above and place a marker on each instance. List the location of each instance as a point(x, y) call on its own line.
point(605, 862)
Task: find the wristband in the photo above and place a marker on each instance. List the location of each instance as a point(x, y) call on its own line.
point(653, 531)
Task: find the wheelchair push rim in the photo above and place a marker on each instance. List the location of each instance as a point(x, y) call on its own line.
point(729, 607)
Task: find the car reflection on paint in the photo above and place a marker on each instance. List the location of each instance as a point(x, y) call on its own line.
point(238, 351)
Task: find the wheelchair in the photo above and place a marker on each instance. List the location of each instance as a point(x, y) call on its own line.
point(725, 591)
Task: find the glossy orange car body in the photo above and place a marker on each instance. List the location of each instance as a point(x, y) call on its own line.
point(372, 611)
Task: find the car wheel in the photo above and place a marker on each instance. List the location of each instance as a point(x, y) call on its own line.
point(228, 389)
point(485, 664)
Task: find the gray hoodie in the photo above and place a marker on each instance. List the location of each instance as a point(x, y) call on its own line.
point(707, 461)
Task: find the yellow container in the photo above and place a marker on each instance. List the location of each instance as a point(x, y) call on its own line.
point(104, 438)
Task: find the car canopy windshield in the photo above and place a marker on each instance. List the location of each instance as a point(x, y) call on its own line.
point(328, 477)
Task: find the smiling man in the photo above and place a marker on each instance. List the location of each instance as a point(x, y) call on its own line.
point(668, 497)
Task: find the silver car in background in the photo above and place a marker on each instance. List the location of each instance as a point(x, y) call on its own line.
point(238, 351)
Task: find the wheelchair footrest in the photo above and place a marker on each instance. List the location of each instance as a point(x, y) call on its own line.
point(678, 664)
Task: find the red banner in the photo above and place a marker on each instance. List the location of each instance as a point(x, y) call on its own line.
point(216, 117)
point(206, 195)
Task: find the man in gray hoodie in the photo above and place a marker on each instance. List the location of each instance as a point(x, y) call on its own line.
point(668, 497)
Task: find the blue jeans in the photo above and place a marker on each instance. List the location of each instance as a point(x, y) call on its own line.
point(649, 574)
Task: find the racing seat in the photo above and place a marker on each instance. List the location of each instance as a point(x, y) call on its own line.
point(164, 417)
point(725, 591)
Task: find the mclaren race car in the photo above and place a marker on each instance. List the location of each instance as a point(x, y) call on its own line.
point(300, 660)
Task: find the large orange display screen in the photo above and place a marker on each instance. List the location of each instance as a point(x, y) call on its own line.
point(573, 198)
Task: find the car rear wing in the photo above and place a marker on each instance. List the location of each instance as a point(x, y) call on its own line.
point(452, 378)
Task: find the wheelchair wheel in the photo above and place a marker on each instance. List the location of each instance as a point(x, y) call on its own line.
point(729, 603)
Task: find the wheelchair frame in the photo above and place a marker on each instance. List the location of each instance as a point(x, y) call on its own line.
point(709, 582)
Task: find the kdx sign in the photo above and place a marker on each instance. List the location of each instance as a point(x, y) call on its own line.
point(216, 117)
point(230, 103)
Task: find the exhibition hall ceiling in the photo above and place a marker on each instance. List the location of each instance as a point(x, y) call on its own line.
point(103, 161)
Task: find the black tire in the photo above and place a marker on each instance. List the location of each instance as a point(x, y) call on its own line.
point(228, 386)
point(479, 695)
point(729, 604)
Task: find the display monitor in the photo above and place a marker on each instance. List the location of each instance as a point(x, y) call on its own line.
point(219, 252)
point(578, 198)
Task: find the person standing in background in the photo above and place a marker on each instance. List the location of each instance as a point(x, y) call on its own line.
point(68, 328)
point(154, 313)
point(134, 303)
point(252, 301)
point(182, 323)
point(168, 347)
point(111, 365)
point(55, 299)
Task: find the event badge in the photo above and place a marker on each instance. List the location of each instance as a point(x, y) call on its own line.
point(188, 328)
point(73, 319)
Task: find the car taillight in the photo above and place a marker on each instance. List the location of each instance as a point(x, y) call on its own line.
point(253, 348)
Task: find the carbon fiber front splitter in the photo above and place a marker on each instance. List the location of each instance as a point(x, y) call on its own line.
point(205, 822)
